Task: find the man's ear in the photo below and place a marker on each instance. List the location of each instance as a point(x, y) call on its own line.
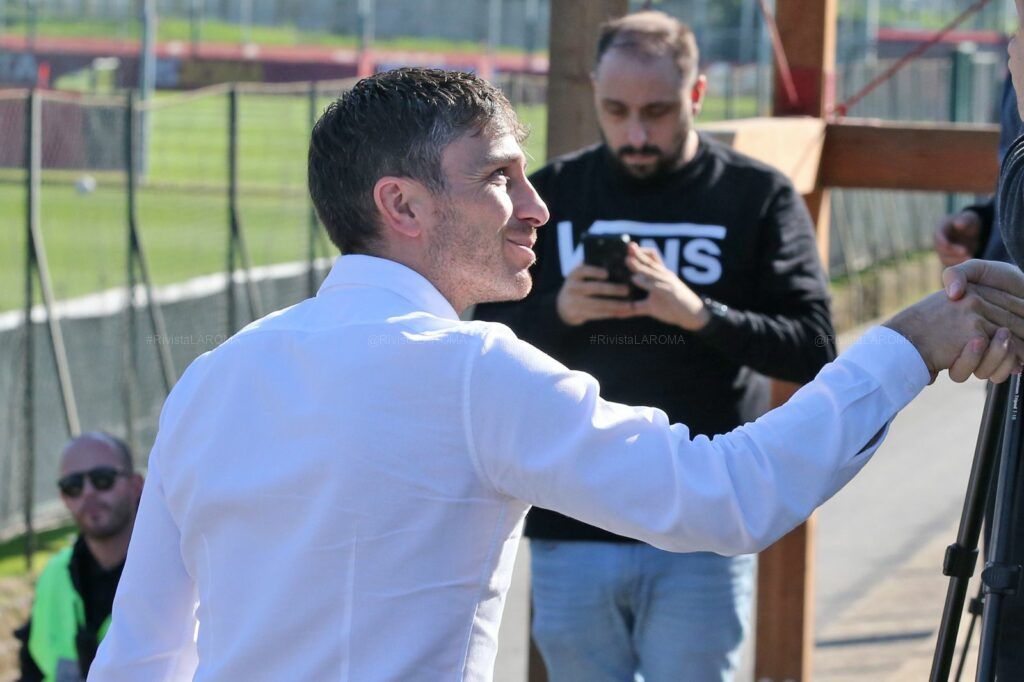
point(697, 93)
point(404, 204)
point(137, 483)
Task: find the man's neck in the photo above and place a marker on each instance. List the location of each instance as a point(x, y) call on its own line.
point(690, 148)
point(109, 552)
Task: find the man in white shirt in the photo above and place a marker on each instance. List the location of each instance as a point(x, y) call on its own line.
point(337, 492)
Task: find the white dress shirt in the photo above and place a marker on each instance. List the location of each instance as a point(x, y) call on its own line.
point(337, 492)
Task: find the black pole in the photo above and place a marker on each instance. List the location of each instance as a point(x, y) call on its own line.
point(251, 291)
point(28, 404)
point(238, 252)
point(313, 224)
point(1000, 577)
point(129, 354)
point(232, 213)
point(137, 254)
point(961, 95)
point(961, 556)
point(42, 270)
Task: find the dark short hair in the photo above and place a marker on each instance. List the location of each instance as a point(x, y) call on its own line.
point(651, 34)
point(394, 123)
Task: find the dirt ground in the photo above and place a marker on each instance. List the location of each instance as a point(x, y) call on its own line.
point(15, 602)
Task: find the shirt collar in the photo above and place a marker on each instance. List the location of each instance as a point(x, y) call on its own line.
point(357, 270)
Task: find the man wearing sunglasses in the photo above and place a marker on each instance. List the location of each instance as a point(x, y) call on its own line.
point(75, 592)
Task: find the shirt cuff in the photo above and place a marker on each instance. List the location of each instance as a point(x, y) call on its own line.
point(892, 361)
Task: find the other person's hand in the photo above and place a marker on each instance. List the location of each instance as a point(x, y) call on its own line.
point(588, 295)
point(975, 326)
point(958, 237)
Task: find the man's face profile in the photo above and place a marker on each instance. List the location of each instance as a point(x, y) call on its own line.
point(487, 217)
point(645, 110)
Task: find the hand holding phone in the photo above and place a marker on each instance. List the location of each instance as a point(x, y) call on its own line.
point(608, 251)
point(590, 294)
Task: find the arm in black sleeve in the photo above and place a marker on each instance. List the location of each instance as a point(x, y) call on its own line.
point(30, 672)
point(986, 211)
point(788, 334)
point(1011, 201)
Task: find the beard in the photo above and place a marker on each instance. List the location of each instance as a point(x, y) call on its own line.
point(470, 257)
point(664, 161)
point(118, 518)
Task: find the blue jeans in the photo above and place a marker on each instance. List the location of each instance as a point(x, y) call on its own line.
point(606, 611)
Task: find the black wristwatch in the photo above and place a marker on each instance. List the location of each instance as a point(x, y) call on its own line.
point(717, 311)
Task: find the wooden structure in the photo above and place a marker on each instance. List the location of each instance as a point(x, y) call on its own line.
point(817, 153)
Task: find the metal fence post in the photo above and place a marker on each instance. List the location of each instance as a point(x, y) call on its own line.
point(961, 92)
point(36, 264)
point(232, 181)
point(730, 92)
point(28, 404)
point(237, 249)
point(39, 263)
point(129, 354)
point(137, 254)
point(314, 227)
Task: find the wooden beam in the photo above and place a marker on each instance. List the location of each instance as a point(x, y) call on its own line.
point(785, 596)
point(910, 156)
point(572, 121)
point(793, 145)
point(869, 154)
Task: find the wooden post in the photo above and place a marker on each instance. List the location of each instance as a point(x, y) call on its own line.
point(808, 32)
point(572, 121)
point(785, 598)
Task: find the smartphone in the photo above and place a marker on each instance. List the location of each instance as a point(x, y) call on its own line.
point(609, 251)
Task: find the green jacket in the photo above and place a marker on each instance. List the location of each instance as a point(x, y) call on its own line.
point(57, 616)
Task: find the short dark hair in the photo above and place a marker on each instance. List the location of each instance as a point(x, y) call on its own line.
point(651, 34)
point(394, 123)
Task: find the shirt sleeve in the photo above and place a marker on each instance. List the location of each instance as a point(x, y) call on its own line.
point(788, 333)
point(541, 433)
point(153, 624)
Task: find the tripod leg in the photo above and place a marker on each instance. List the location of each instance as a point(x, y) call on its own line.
point(974, 608)
point(962, 555)
point(1001, 577)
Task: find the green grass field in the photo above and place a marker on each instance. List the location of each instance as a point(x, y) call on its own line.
point(12, 552)
point(214, 31)
point(183, 203)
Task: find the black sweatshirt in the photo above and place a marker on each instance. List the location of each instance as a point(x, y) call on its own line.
point(1011, 201)
point(736, 231)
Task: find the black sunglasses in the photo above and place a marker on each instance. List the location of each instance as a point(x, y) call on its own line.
point(102, 478)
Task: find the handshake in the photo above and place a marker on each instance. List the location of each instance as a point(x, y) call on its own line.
point(975, 326)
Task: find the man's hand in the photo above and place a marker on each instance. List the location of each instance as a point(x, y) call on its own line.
point(588, 295)
point(958, 237)
point(975, 326)
point(668, 298)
